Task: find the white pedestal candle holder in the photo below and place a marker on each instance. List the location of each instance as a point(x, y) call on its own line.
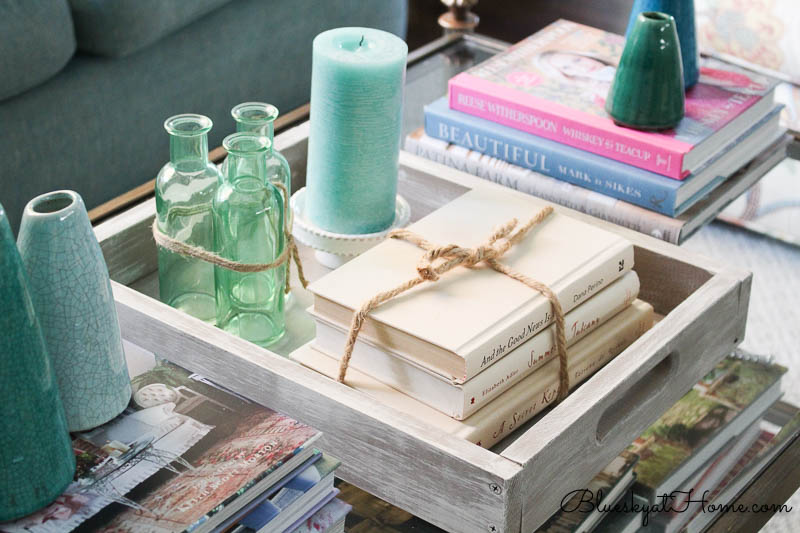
point(335, 249)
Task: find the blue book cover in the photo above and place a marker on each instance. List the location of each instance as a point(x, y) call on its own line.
point(606, 176)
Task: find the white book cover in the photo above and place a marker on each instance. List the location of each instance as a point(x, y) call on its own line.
point(460, 400)
point(477, 314)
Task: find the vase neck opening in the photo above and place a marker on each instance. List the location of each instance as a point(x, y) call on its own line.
point(52, 203)
point(256, 117)
point(656, 16)
point(188, 141)
point(247, 155)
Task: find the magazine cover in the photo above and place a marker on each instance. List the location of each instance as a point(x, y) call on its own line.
point(182, 451)
point(312, 477)
point(329, 516)
point(711, 404)
point(573, 513)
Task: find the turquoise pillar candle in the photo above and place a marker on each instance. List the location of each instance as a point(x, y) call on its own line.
point(356, 119)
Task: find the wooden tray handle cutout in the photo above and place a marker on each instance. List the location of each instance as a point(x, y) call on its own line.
point(646, 389)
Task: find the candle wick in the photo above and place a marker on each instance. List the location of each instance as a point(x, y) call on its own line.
point(361, 41)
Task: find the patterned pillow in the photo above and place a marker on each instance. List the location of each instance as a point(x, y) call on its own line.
point(762, 32)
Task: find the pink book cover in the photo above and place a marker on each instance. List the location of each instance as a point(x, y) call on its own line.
point(554, 84)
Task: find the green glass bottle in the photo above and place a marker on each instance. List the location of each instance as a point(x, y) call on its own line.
point(258, 117)
point(248, 228)
point(185, 190)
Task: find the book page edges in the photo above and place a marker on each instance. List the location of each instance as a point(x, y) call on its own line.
point(460, 400)
point(520, 403)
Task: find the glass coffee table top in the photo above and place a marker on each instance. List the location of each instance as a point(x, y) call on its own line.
point(430, 67)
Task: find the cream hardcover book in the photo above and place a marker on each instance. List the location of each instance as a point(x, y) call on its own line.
point(518, 404)
point(472, 317)
point(461, 400)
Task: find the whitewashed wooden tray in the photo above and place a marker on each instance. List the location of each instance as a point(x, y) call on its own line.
point(452, 483)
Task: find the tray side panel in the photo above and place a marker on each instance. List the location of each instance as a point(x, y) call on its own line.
point(127, 243)
point(666, 282)
point(444, 480)
point(603, 416)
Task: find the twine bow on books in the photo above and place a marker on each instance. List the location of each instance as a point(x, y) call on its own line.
point(438, 260)
point(289, 250)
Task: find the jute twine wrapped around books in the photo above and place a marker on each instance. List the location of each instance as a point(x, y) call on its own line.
point(289, 251)
point(453, 256)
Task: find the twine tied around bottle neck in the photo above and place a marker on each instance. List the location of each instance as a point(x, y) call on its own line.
point(188, 250)
point(452, 256)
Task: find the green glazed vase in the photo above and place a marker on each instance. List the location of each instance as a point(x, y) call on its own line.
point(72, 296)
point(647, 91)
point(36, 459)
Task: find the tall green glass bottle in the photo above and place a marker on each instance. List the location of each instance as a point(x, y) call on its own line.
point(185, 190)
point(248, 228)
point(258, 117)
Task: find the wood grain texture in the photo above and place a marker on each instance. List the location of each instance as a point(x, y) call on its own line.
point(419, 468)
point(625, 397)
point(437, 172)
point(385, 453)
point(127, 243)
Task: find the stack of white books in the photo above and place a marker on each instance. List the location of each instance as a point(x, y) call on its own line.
point(474, 352)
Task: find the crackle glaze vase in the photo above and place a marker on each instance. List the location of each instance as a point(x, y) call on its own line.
point(683, 13)
point(36, 459)
point(72, 296)
point(647, 91)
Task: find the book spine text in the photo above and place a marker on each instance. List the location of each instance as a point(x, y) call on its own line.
point(539, 349)
point(614, 265)
point(534, 117)
point(610, 178)
point(547, 188)
point(542, 392)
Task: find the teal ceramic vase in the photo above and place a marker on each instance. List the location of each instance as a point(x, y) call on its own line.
point(683, 13)
point(72, 296)
point(647, 91)
point(36, 459)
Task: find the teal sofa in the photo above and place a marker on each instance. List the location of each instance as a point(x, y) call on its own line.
point(85, 85)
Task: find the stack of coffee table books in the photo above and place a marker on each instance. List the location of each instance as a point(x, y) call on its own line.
point(532, 118)
point(707, 446)
point(188, 455)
